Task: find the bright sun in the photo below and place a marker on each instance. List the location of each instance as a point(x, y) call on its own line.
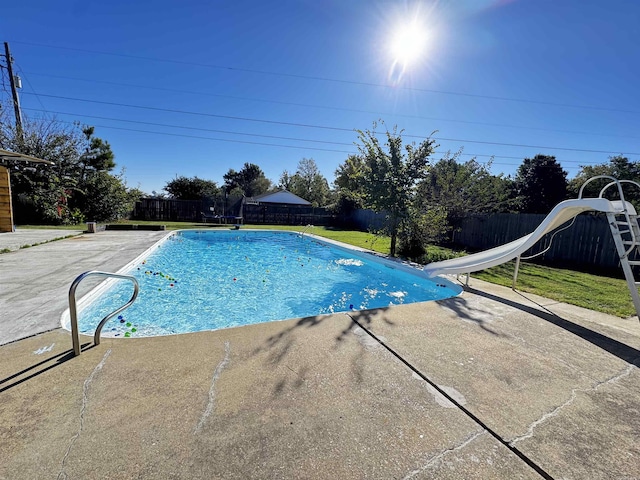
point(408, 43)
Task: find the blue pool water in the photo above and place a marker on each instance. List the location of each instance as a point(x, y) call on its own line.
point(207, 280)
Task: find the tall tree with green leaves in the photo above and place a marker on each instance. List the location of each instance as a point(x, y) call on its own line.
point(391, 175)
point(70, 190)
point(96, 185)
point(285, 181)
point(190, 188)
point(97, 155)
point(349, 184)
point(111, 199)
point(465, 187)
point(40, 193)
point(309, 183)
point(541, 183)
point(619, 167)
point(249, 181)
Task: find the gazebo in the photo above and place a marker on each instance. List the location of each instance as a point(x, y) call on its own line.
point(6, 208)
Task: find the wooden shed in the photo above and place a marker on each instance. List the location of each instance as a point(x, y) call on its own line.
point(6, 207)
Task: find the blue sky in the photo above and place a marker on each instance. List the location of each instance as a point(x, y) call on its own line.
point(495, 77)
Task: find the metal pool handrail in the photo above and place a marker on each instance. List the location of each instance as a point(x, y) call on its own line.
point(304, 230)
point(73, 312)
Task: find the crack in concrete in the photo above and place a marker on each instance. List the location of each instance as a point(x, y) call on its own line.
point(433, 460)
point(85, 400)
point(212, 391)
point(625, 373)
point(574, 394)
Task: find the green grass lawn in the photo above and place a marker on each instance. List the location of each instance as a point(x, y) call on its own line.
point(599, 293)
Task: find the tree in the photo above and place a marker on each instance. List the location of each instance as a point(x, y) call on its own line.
point(96, 187)
point(40, 192)
point(183, 188)
point(97, 155)
point(619, 167)
point(65, 192)
point(285, 181)
point(309, 183)
point(540, 184)
point(462, 188)
point(391, 175)
point(250, 180)
point(110, 197)
point(349, 185)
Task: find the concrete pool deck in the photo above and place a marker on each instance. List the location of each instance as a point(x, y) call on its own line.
point(490, 384)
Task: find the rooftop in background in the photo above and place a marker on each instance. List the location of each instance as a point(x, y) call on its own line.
point(282, 197)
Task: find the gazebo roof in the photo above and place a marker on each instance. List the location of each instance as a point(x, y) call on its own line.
point(7, 155)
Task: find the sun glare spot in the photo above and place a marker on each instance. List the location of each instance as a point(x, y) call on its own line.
point(408, 43)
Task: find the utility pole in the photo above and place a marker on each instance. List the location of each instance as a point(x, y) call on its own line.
point(14, 93)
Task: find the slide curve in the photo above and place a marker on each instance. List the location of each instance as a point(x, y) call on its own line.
point(561, 213)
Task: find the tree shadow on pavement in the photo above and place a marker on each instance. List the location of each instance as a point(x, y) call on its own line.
point(278, 346)
point(462, 309)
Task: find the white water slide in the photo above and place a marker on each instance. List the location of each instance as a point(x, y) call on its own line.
point(562, 213)
point(621, 216)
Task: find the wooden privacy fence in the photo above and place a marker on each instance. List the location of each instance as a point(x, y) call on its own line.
point(164, 209)
point(272, 214)
point(169, 210)
point(587, 243)
point(364, 219)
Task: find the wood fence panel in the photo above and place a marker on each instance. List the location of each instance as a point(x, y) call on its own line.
point(270, 214)
point(588, 242)
point(366, 220)
point(6, 210)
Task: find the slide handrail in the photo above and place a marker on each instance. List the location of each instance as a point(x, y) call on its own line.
point(625, 212)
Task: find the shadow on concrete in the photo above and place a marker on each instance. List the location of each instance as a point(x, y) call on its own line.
point(40, 368)
point(364, 319)
point(460, 307)
point(284, 337)
point(621, 350)
point(278, 346)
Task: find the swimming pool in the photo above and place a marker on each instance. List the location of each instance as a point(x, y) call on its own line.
point(195, 280)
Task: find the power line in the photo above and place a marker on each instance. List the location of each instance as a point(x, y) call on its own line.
point(30, 86)
point(301, 147)
point(235, 133)
point(140, 122)
point(333, 80)
point(246, 134)
point(327, 107)
point(201, 114)
point(325, 127)
point(247, 142)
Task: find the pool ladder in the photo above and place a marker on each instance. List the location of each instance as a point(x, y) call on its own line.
point(304, 230)
point(73, 311)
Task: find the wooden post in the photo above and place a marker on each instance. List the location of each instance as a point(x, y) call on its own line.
point(14, 94)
